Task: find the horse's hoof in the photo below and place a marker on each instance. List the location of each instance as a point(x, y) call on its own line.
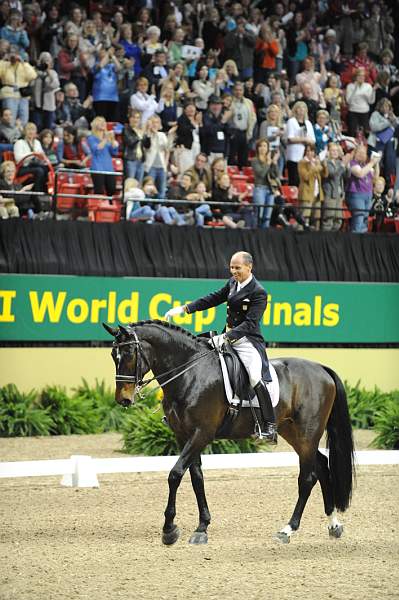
point(283, 537)
point(170, 537)
point(199, 537)
point(336, 531)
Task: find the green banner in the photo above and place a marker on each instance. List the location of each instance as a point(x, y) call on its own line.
point(66, 308)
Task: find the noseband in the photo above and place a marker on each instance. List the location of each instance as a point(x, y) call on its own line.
point(137, 378)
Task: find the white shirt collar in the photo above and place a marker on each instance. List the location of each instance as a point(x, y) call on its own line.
point(244, 283)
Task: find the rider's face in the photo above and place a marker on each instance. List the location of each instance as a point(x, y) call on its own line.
point(239, 269)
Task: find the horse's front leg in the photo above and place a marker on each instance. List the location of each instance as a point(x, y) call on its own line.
point(200, 535)
point(192, 449)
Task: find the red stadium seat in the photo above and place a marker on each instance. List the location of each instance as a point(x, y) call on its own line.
point(249, 173)
point(101, 211)
point(67, 204)
point(290, 194)
point(233, 170)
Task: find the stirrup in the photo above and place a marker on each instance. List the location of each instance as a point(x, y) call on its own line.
point(269, 433)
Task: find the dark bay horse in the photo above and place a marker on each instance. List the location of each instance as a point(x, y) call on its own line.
point(312, 399)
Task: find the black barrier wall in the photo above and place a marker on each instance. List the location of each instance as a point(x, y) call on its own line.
point(134, 249)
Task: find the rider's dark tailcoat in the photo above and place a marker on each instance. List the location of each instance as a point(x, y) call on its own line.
point(244, 312)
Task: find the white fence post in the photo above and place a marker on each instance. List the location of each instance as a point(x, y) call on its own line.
point(83, 474)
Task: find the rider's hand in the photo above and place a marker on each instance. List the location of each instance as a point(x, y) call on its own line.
point(218, 341)
point(177, 310)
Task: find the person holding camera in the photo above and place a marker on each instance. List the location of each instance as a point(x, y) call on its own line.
point(44, 88)
point(16, 75)
point(359, 190)
point(103, 147)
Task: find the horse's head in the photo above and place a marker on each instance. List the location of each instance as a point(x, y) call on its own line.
point(130, 363)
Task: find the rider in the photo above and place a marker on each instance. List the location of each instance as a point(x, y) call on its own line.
point(246, 302)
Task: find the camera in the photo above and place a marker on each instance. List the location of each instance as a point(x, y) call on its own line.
point(42, 66)
point(377, 155)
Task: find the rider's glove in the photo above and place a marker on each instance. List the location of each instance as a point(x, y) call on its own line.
point(218, 341)
point(174, 311)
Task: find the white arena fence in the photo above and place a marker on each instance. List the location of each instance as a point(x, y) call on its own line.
point(82, 470)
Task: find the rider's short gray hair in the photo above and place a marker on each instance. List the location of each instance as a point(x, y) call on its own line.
point(247, 258)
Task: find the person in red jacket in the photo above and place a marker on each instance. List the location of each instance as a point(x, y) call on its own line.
point(266, 49)
point(72, 65)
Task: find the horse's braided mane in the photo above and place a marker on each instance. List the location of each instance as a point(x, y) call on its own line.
point(165, 324)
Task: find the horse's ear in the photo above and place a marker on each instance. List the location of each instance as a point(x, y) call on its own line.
point(123, 330)
point(112, 330)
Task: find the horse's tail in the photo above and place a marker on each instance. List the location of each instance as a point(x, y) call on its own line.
point(340, 444)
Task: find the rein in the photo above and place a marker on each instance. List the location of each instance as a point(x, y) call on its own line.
point(137, 377)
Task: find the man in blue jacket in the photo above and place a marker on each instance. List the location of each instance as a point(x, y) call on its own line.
point(246, 302)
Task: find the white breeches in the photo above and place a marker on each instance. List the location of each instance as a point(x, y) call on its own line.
point(251, 359)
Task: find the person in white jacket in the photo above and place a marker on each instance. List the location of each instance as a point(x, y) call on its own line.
point(157, 147)
point(359, 97)
point(145, 103)
point(299, 134)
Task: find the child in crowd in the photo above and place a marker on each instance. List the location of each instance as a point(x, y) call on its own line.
point(134, 197)
point(382, 204)
point(47, 141)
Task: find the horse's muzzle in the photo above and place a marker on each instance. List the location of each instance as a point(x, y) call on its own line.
point(125, 395)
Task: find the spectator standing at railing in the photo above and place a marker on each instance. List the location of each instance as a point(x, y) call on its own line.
point(333, 184)
point(311, 170)
point(133, 151)
point(157, 148)
point(299, 132)
point(265, 167)
point(359, 189)
point(187, 142)
point(103, 147)
point(273, 130)
point(16, 75)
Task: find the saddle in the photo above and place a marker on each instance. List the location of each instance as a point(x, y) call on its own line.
point(238, 375)
point(239, 382)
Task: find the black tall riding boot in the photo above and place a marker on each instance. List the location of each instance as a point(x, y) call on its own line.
point(268, 427)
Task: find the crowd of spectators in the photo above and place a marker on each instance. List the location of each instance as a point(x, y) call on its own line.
point(194, 96)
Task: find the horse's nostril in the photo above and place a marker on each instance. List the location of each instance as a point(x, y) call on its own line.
point(125, 402)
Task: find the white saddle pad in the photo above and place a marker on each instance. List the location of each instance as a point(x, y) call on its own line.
point(273, 387)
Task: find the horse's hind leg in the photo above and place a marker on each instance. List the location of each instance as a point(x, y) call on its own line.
point(306, 480)
point(192, 449)
point(335, 528)
point(200, 535)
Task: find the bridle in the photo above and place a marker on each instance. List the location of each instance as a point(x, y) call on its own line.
point(137, 378)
